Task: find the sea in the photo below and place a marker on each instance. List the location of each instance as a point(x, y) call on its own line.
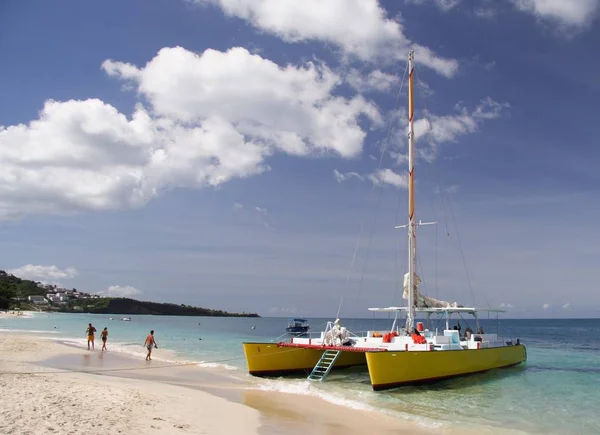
point(557, 391)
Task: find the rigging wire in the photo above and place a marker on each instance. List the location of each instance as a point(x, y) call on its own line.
point(442, 194)
point(381, 181)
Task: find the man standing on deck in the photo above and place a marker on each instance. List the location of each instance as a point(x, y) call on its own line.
point(150, 341)
point(90, 333)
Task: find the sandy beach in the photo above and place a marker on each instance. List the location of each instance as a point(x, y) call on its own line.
point(74, 403)
point(49, 387)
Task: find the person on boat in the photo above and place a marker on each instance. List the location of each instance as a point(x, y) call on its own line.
point(104, 337)
point(417, 337)
point(480, 330)
point(468, 333)
point(90, 335)
point(150, 341)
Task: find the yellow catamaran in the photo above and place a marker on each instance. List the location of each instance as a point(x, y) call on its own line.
point(404, 355)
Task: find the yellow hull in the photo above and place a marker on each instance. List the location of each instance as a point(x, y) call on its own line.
point(268, 359)
point(393, 369)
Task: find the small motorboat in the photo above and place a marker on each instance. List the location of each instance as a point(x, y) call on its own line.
point(126, 319)
point(297, 326)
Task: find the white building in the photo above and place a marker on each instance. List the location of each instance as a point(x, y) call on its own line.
point(37, 300)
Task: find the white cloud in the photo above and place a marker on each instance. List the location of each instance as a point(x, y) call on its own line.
point(237, 206)
point(262, 211)
point(567, 306)
point(486, 12)
point(444, 5)
point(571, 13)
point(282, 310)
point(546, 306)
point(379, 177)
point(505, 305)
point(360, 28)
point(447, 128)
point(376, 80)
point(118, 291)
point(43, 273)
point(387, 176)
point(437, 129)
point(215, 117)
point(341, 176)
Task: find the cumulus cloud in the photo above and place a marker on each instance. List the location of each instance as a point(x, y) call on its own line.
point(379, 177)
point(118, 291)
point(505, 305)
point(238, 206)
point(211, 118)
point(388, 176)
point(570, 13)
point(376, 80)
point(359, 28)
point(546, 306)
point(444, 5)
point(566, 306)
point(344, 176)
point(43, 273)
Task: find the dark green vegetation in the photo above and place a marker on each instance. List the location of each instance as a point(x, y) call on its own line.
point(15, 291)
point(132, 306)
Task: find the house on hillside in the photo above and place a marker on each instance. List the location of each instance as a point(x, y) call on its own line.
point(37, 300)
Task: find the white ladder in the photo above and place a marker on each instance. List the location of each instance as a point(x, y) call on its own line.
point(324, 366)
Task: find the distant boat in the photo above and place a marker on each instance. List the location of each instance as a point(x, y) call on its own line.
point(126, 319)
point(111, 318)
point(297, 326)
point(253, 327)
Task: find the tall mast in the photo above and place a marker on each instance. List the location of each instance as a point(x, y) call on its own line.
point(412, 229)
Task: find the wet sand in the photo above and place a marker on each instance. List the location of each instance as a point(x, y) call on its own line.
point(125, 394)
point(52, 387)
point(281, 413)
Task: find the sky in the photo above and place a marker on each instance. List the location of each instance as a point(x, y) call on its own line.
point(251, 155)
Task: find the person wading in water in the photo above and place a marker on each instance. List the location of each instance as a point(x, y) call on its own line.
point(104, 337)
point(150, 341)
point(90, 333)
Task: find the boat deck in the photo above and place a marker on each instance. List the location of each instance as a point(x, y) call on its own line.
point(324, 347)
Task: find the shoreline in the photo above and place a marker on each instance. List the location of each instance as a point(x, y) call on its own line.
point(27, 361)
point(276, 401)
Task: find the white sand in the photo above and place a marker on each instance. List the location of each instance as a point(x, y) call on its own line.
point(142, 401)
point(79, 403)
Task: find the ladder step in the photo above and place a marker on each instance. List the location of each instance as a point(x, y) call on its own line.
point(324, 365)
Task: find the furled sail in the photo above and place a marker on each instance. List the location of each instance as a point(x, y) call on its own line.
point(422, 301)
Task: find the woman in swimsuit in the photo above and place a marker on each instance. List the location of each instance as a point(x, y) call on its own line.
point(104, 337)
point(150, 341)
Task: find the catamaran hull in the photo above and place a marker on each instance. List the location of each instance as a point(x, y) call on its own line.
point(269, 359)
point(394, 369)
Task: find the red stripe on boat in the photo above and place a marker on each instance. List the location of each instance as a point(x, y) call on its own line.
point(321, 347)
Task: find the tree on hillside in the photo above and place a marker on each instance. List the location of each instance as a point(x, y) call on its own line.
point(7, 290)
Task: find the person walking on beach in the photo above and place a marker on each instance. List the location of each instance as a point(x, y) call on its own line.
point(90, 333)
point(104, 337)
point(150, 341)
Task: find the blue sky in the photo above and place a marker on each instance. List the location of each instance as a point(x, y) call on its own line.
point(225, 153)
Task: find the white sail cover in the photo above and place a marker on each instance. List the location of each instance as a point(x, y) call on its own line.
point(422, 301)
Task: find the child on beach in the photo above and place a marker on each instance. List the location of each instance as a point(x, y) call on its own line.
point(104, 337)
point(150, 341)
point(90, 333)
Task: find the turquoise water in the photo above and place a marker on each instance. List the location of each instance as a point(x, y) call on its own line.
point(556, 392)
